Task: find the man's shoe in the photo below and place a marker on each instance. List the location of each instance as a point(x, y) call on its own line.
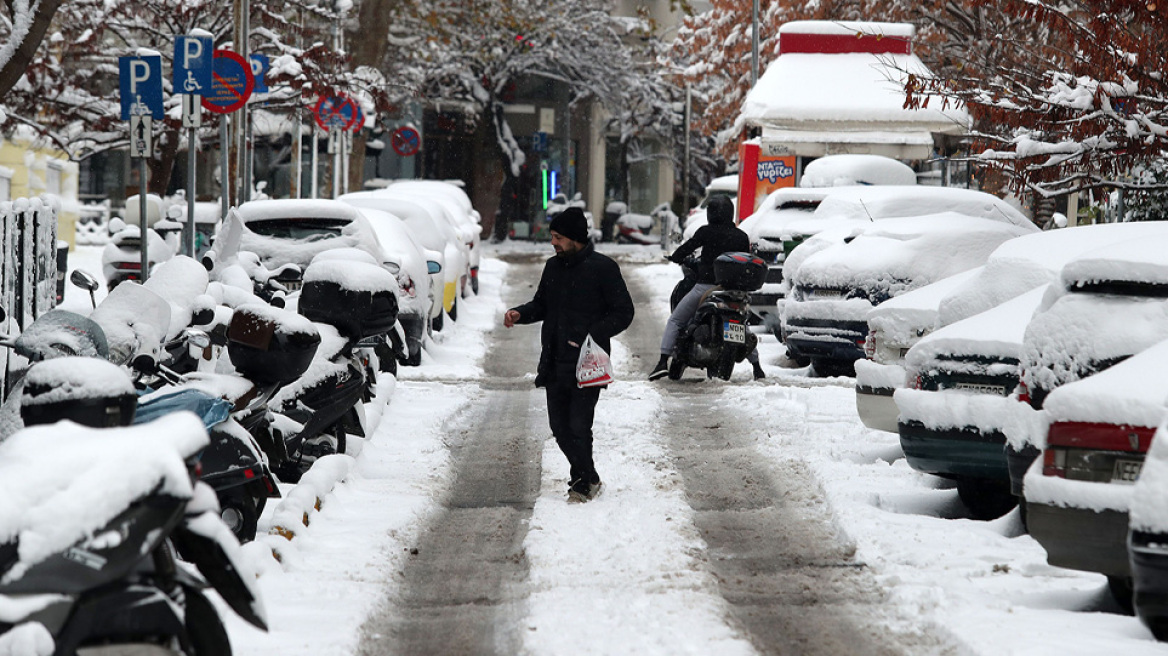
point(758, 372)
point(594, 490)
point(583, 492)
point(661, 370)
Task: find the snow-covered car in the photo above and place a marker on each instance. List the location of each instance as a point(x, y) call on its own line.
point(293, 231)
point(899, 323)
point(848, 169)
point(772, 242)
point(419, 295)
point(461, 209)
point(1013, 268)
point(825, 318)
point(952, 416)
point(1078, 493)
point(1148, 537)
point(1109, 305)
point(431, 231)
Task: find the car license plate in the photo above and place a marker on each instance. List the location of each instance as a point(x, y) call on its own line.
point(826, 293)
point(1126, 471)
point(733, 332)
point(981, 388)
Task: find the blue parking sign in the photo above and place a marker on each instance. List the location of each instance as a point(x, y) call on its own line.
point(193, 64)
point(140, 81)
point(259, 70)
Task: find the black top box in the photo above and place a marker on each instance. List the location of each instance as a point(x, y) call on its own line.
point(740, 271)
point(357, 314)
point(269, 345)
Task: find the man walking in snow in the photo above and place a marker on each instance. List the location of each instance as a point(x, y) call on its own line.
point(581, 293)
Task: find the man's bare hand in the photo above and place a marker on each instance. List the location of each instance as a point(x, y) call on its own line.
point(510, 318)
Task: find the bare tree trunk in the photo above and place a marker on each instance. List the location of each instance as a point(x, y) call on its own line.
point(369, 46)
point(14, 68)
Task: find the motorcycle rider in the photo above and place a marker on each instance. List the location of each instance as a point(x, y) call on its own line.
point(718, 236)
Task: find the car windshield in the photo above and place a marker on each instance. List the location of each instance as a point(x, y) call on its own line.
point(299, 228)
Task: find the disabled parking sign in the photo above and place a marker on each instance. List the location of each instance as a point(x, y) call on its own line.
point(140, 83)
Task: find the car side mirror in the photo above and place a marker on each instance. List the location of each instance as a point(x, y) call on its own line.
point(433, 267)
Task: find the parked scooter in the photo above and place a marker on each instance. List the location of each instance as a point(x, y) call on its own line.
point(104, 579)
point(717, 337)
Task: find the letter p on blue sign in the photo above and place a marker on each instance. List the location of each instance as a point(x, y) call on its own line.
point(140, 83)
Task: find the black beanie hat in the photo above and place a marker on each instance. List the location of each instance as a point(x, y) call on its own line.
point(572, 224)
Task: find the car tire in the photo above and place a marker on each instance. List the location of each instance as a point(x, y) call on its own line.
point(986, 499)
point(454, 310)
point(1123, 592)
point(438, 322)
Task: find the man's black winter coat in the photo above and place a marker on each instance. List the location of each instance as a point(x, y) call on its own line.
point(582, 294)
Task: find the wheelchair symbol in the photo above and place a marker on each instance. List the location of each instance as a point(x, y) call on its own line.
point(191, 85)
point(139, 108)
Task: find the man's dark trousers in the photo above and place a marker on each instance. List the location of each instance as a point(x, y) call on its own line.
point(570, 413)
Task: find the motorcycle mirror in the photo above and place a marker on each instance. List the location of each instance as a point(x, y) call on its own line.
point(84, 280)
point(87, 282)
point(198, 338)
point(3, 315)
point(433, 267)
point(289, 273)
point(203, 317)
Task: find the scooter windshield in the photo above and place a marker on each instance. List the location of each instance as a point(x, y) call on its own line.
point(135, 320)
point(59, 333)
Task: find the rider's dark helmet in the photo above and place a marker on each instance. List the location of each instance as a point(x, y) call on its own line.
point(720, 211)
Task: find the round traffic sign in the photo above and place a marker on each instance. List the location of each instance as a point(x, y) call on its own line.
point(336, 112)
point(405, 141)
point(231, 83)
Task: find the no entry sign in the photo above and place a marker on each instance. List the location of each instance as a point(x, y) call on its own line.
point(405, 141)
point(232, 83)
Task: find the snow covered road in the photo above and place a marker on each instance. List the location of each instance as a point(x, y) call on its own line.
point(644, 568)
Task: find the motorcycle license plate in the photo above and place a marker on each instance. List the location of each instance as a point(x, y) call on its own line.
point(733, 332)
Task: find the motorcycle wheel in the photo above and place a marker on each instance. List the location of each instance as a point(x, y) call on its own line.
point(725, 364)
point(676, 368)
point(239, 512)
point(205, 631)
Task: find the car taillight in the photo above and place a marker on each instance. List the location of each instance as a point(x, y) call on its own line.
point(1023, 392)
point(914, 380)
point(869, 345)
point(1100, 436)
point(1054, 462)
point(407, 285)
point(128, 266)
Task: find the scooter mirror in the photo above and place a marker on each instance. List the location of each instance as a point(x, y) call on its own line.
point(203, 317)
point(3, 315)
point(84, 280)
point(289, 273)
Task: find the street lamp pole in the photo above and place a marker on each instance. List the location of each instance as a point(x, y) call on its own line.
point(685, 161)
point(754, 45)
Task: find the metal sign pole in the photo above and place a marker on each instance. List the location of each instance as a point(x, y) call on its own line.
point(224, 165)
point(315, 158)
point(143, 188)
point(189, 228)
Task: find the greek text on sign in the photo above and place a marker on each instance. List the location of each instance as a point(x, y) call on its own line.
point(232, 83)
point(774, 170)
point(140, 83)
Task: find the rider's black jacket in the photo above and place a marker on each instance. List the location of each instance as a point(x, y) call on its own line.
point(718, 236)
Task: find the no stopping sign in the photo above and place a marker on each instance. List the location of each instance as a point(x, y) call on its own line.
point(405, 141)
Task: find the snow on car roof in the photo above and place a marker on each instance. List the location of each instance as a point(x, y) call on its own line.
point(1134, 260)
point(892, 201)
point(900, 317)
point(724, 183)
point(920, 249)
point(261, 210)
point(1032, 260)
point(1132, 392)
point(997, 332)
point(853, 169)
